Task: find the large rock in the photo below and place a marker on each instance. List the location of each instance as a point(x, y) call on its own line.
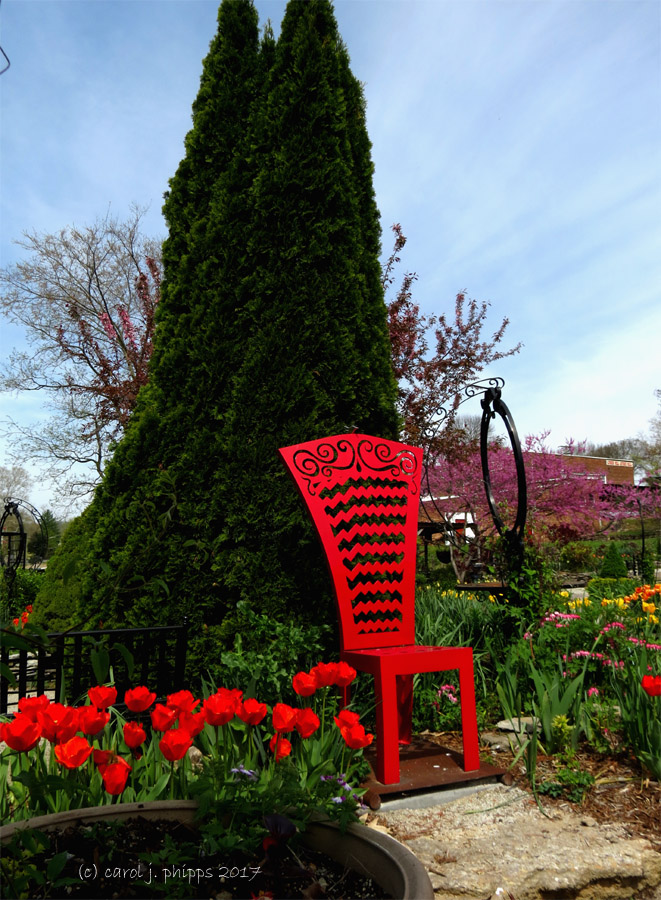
point(497, 841)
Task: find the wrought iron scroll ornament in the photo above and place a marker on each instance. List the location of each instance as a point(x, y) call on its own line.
point(443, 416)
point(318, 464)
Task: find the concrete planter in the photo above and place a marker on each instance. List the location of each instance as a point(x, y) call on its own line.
point(368, 852)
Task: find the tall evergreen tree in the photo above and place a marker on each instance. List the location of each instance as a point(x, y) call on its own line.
point(316, 356)
point(271, 330)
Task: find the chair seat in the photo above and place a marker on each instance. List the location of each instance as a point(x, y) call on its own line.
point(407, 658)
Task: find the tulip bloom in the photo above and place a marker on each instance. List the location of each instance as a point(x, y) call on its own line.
point(115, 775)
point(162, 717)
point(284, 717)
point(175, 743)
point(345, 719)
point(192, 722)
point(134, 735)
point(651, 684)
point(251, 711)
point(280, 746)
point(325, 673)
point(182, 701)
point(58, 722)
point(138, 699)
point(345, 674)
point(103, 758)
point(355, 736)
point(21, 733)
point(304, 684)
point(220, 707)
point(92, 720)
point(73, 753)
point(31, 705)
point(307, 722)
point(102, 697)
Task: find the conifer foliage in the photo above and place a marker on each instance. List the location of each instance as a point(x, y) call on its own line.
point(271, 330)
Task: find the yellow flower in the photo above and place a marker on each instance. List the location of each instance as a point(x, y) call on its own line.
point(606, 602)
point(648, 607)
point(653, 619)
point(564, 593)
point(492, 599)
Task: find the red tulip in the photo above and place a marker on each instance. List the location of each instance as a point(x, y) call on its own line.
point(182, 701)
point(280, 746)
point(103, 758)
point(134, 735)
point(162, 717)
point(251, 711)
point(307, 722)
point(31, 705)
point(138, 699)
point(325, 673)
point(345, 674)
point(192, 722)
point(345, 719)
point(304, 684)
point(21, 733)
point(73, 753)
point(355, 736)
point(220, 707)
point(284, 717)
point(115, 775)
point(58, 722)
point(92, 720)
point(102, 696)
point(651, 684)
point(175, 743)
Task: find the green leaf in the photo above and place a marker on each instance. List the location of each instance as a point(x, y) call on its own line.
point(100, 664)
point(158, 789)
point(127, 657)
point(56, 864)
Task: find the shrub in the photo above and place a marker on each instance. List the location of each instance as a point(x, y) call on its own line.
point(579, 556)
point(609, 588)
point(613, 565)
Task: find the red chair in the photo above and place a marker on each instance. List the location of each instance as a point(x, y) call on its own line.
point(363, 494)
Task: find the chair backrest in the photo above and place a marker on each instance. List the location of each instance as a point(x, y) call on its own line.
point(363, 494)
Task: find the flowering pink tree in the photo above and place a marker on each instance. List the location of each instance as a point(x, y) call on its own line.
point(564, 502)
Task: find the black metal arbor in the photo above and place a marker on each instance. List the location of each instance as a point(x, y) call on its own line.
point(433, 516)
point(14, 538)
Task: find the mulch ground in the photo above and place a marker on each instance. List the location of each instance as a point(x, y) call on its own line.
point(621, 794)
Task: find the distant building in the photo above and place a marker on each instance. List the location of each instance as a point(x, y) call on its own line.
point(609, 471)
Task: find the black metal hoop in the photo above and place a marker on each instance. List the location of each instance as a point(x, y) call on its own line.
point(492, 405)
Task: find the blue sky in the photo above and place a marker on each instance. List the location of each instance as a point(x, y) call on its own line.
point(518, 143)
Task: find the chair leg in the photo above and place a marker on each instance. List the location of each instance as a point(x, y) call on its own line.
point(469, 717)
point(387, 746)
point(404, 707)
point(345, 696)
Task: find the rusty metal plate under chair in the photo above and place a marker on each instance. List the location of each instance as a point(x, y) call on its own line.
point(425, 764)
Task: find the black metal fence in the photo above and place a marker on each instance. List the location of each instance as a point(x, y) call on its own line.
point(154, 657)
